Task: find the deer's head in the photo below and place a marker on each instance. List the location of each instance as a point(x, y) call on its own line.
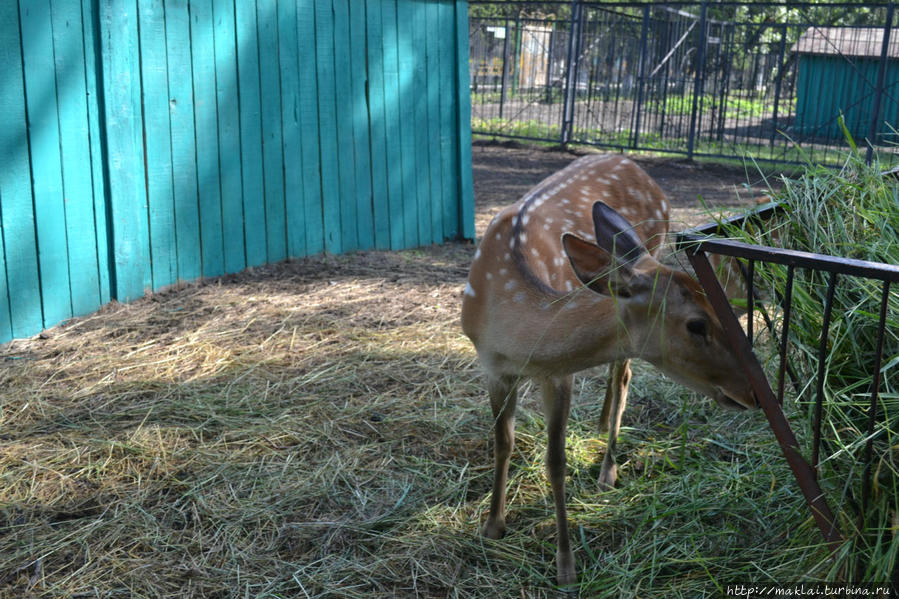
point(662, 314)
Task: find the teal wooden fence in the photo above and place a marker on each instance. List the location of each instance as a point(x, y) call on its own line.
point(147, 142)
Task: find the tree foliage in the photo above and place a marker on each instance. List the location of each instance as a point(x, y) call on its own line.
point(820, 12)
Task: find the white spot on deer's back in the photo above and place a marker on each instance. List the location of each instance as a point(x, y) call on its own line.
point(469, 290)
point(510, 285)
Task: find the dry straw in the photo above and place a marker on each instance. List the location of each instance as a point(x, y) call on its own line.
point(319, 429)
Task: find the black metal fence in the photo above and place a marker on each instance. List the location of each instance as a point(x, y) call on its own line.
point(722, 79)
point(699, 242)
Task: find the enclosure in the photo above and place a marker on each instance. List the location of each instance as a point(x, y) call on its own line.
point(724, 79)
point(318, 426)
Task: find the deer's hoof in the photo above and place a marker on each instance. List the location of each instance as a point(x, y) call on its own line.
point(566, 574)
point(494, 528)
point(607, 477)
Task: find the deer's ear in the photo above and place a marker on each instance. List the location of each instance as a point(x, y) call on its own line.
point(616, 235)
point(597, 270)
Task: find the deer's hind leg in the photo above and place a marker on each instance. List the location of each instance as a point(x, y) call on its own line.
point(503, 393)
point(612, 409)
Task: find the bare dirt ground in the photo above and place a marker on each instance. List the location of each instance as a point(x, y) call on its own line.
point(503, 173)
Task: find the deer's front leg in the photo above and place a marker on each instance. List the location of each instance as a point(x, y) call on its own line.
point(613, 408)
point(503, 395)
point(556, 404)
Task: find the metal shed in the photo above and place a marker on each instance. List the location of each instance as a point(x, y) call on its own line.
point(148, 142)
point(838, 72)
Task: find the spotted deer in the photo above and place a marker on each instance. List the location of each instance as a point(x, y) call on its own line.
point(561, 282)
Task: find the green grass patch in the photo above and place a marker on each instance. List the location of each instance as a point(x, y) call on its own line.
point(851, 212)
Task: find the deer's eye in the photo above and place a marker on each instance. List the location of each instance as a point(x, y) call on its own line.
point(698, 326)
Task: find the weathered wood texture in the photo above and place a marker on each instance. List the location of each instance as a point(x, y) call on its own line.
point(147, 142)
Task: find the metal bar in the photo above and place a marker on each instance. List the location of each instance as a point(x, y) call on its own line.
point(881, 71)
point(803, 473)
point(571, 72)
point(699, 80)
point(638, 109)
point(843, 266)
point(778, 80)
point(819, 391)
point(787, 303)
point(504, 89)
point(549, 64)
point(760, 214)
point(875, 391)
point(750, 302)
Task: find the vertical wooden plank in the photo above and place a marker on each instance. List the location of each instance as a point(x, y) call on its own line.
point(229, 136)
point(68, 44)
point(158, 142)
point(206, 123)
point(449, 158)
point(377, 126)
point(5, 317)
point(20, 300)
point(309, 127)
point(184, 150)
point(272, 158)
point(344, 105)
point(290, 123)
point(361, 138)
point(407, 125)
point(250, 132)
point(420, 126)
point(125, 156)
point(327, 114)
point(463, 99)
point(46, 165)
point(392, 116)
point(435, 194)
point(92, 75)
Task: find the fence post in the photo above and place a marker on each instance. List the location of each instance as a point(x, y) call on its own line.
point(504, 90)
point(571, 74)
point(881, 71)
point(700, 79)
point(638, 109)
point(549, 64)
point(777, 82)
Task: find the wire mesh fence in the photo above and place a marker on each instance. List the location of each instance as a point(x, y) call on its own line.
point(725, 79)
